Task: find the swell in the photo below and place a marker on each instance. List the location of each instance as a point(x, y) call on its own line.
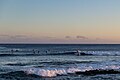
point(43, 63)
point(40, 52)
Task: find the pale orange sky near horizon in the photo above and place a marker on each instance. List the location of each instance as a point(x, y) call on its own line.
point(70, 21)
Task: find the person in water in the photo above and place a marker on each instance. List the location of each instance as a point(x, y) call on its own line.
point(12, 51)
point(47, 51)
point(33, 51)
point(38, 51)
point(78, 52)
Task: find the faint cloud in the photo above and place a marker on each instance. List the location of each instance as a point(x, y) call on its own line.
point(81, 37)
point(14, 38)
point(98, 39)
point(67, 37)
point(4, 35)
point(18, 36)
point(48, 37)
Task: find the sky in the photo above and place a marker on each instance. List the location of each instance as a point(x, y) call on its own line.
point(60, 21)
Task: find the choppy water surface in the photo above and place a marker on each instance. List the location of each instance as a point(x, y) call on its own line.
point(58, 67)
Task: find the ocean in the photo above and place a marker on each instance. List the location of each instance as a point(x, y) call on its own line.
point(56, 62)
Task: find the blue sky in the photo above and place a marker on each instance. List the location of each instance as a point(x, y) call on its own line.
point(49, 21)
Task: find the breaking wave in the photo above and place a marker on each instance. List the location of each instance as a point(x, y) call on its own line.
point(52, 72)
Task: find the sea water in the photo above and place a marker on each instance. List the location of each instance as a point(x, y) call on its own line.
point(48, 66)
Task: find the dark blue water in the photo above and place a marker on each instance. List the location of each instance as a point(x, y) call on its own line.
point(48, 66)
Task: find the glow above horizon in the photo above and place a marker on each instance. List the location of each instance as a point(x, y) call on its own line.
point(59, 21)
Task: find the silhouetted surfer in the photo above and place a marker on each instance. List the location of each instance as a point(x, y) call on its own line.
point(12, 51)
point(38, 51)
point(33, 51)
point(47, 51)
point(78, 52)
point(16, 50)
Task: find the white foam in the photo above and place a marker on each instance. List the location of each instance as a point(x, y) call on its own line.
point(104, 53)
point(112, 67)
point(52, 72)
